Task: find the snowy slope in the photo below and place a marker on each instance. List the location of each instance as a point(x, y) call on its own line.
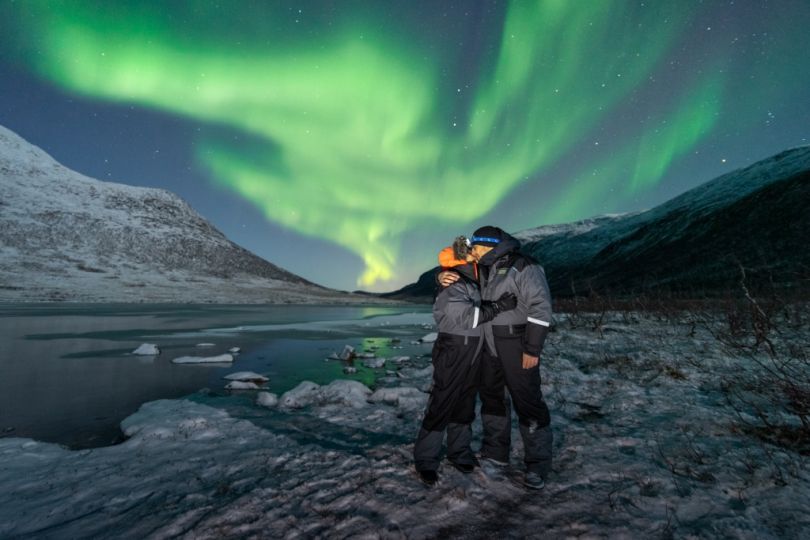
point(753, 215)
point(572, 229)
point(65, 236)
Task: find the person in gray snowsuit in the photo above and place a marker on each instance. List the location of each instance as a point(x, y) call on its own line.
point(514, 341)
point(459, 314)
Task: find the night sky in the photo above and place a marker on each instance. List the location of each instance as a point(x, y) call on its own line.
point(349, 141)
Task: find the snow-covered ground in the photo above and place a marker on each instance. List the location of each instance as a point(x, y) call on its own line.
point(646, 446)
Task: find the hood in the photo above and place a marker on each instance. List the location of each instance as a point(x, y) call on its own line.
point(508, 244)
point(448, 261)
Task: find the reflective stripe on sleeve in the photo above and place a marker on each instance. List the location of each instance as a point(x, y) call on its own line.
point(475, 317)
point(538, 321)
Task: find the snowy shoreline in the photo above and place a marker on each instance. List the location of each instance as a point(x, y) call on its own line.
point(645, 446)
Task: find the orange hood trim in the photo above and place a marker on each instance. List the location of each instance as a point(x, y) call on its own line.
point(448, 260)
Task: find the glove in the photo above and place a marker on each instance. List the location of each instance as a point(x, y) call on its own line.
point(489, 310)
point(507, 302)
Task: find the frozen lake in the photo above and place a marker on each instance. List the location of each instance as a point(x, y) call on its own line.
point(67, 374)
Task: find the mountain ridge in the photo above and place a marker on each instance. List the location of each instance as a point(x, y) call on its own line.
point(68, 237)
point(711, 230)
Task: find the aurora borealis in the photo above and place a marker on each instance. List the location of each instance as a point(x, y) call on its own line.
point(386, 129)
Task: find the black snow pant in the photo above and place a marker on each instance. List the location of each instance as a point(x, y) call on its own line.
point(451, 405)
point(524, 388)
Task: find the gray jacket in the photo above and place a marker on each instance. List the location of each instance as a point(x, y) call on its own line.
point(505, 270)
point(457, 307)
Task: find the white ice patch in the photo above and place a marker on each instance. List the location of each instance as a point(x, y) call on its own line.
point(374, 363)
point(413, 373)
point(341, 392)
point(429, 338)
point(306, 393)
point(220, 359)
point(267, 399)
point(246, 376)
point(147, 349)
point(241, 385)
point(393, 395)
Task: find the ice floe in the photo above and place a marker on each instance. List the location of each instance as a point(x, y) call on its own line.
point(147, 349)
point(393, 395)
point(414, 373)
point(341, 391)
point(219, 359)
point(241, 385)
point(267, 399)
point(246, 376)
point(374, 363)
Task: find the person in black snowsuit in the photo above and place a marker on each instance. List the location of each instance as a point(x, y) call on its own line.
point(459, 313)
point(514, 341)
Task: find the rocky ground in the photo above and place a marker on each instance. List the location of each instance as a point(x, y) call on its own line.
point(665, 426)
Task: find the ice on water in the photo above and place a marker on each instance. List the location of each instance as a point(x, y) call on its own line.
point(218, 359)
point(147, 349)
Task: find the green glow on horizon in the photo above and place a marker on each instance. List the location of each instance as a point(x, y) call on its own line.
point(357, 151)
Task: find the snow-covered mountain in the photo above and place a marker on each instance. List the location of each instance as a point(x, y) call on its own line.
point(569, 230)
point(756, 216)
point(64, 236)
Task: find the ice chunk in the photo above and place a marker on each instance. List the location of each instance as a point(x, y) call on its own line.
point(411, 373)
point(347, 353)
point(392, 396)
point(399, 359)
point(344, 392)
point(339, 392)
point(234, 350)
point(222, 358)
point(241, 385)
point(266, 399)
point(429, 338)
point(246, 376)
point(147, 349)
point(374, 363)
point(302, 395)
point(348, 370)
point(206, 344)
point(366, 355)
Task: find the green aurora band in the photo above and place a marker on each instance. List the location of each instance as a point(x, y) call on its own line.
point(351, 139)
